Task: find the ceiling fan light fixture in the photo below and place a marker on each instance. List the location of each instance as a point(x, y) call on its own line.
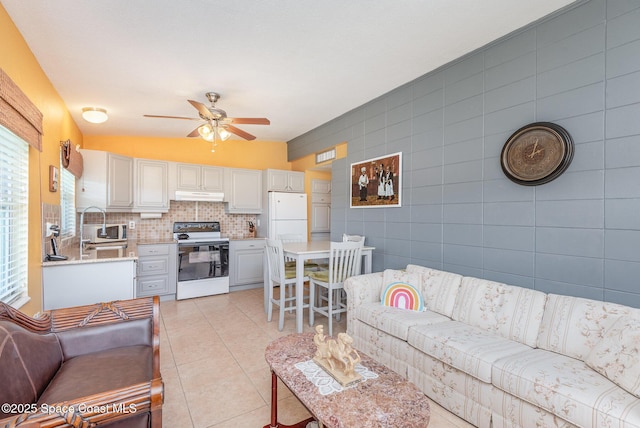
point(206, 132)
point(223, 134)
point(94, 114)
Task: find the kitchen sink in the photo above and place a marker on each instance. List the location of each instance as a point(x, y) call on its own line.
point(104, 251)
point(105, 247)
point(109, 252)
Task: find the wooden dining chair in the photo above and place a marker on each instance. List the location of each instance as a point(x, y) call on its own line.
point(324, 266)
point(352, 238)
point(294, 237)
point(345, 259)
point(345, 238)
point(282, 277)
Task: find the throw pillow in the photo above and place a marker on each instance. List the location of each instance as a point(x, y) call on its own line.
point(400, 290)
point(617, 355)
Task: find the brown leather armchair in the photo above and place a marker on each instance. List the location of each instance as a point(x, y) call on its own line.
point(94, 365)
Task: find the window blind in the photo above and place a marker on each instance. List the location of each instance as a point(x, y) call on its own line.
point(67, 204)
point(14, 216)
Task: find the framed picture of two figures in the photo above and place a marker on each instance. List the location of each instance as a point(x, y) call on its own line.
point(377, 182)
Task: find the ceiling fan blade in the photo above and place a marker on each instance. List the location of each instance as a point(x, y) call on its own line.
point(202, 109)
point(194, 133)
point(250, 120)
point(239, 132)
point(172, 117)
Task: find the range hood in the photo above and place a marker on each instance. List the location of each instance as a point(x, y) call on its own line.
point(183, 195)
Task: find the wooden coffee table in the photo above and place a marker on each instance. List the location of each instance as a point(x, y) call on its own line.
point(387, 401)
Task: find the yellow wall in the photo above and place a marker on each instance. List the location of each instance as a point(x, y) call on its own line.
point(231, 153)
point(308, 165)
point(17, 60)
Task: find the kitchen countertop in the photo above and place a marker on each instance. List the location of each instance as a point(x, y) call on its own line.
point(240, 238)
point(96, 256)
point(117, 254)
point(156, 241)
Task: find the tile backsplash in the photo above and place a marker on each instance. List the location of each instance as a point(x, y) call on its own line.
point(234, 226)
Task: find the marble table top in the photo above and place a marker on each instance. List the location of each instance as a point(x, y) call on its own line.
point(387, 401)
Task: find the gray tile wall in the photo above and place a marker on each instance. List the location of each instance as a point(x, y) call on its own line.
point(577, 235)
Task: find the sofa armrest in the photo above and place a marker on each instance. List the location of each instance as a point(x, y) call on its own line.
point(361, 289)
point(97, 409)
point(102, 313)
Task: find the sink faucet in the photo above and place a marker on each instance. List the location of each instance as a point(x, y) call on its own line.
point(104, 225)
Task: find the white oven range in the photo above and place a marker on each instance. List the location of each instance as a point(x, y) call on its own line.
point(203, 259)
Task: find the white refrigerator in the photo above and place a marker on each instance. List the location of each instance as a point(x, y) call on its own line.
point(286, 214)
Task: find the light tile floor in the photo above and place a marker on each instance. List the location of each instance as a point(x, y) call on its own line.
point(213, 367)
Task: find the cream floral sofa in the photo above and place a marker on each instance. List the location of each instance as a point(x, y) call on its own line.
point(504, 356)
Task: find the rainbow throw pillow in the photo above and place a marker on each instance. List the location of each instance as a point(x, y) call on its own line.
point(399, 293)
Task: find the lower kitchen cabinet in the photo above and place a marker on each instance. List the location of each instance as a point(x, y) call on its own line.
point(157, 269)
point(246, 265)
point(85, 283)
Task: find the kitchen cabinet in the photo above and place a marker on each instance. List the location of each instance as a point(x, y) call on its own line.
point(321, 186)
point(320, 217)
point(320, 206)
point(246, 263)
point(151, 192)
point(277, 180)
point(191, 177)
point(84, 283)
point(107, 182)
point(243, 191)
point(157, 269)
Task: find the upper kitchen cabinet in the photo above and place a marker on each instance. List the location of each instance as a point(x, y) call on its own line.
point(321, 186)
point(151, 186)
point(192, 177)
point(107, 182)
point(277, 180)
point(243, 191)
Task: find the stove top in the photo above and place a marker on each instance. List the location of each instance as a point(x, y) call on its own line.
point(197, 231)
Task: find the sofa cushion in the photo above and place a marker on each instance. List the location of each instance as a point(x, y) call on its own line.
point(512, 312)
point(29, 361)
point(400, 290)
point(99, 372)
point(438, 288)
point(461, 394)
point(382, 347)
point(394, 321)
point(617, 355)
point(572, 326)
point(464, 347)
point(567, 387)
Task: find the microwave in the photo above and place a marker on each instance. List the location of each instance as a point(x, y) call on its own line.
point(115, 232)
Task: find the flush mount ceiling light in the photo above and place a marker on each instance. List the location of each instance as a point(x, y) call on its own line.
point(94, 114)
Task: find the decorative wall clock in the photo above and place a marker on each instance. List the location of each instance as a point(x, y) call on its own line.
point(537, 153)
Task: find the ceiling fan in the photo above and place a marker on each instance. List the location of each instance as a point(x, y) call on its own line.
point(218, 125)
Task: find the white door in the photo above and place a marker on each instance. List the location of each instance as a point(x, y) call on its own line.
point(320, 217)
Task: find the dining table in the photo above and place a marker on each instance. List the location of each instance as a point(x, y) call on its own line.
point(311, 250)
